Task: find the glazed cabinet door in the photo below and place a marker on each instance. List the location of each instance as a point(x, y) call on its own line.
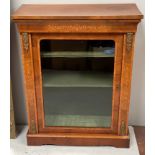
point(77, 82)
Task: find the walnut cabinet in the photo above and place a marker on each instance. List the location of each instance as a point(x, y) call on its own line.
point(77, 62)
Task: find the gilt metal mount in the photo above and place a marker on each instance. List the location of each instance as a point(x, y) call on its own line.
point(123, 128)
point(129, 39)
point(25, 41)
point(33, 128)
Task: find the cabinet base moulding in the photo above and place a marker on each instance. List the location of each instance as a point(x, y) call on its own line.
point(78, 139)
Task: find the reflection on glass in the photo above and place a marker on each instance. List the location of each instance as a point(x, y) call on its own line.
point(77, 82)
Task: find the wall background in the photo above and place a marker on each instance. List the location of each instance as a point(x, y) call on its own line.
point(137, 106)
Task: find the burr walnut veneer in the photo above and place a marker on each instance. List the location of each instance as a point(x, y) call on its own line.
point(77, 62)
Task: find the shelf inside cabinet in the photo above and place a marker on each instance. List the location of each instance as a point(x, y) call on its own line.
point(52, 78)
point(74, 54)
point(78, 120)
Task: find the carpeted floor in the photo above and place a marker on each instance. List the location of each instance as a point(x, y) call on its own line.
point(19, 147)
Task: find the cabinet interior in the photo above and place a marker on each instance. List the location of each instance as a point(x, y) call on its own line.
point(77, 77)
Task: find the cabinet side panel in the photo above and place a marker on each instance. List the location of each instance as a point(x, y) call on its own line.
point(12, 117)
point(29, 85)
point(128, 51)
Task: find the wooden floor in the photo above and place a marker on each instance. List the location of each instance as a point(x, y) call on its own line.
point(140, 136)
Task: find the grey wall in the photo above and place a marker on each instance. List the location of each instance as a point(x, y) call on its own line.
point(137, 112)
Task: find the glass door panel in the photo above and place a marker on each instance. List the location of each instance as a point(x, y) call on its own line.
point(77, 82)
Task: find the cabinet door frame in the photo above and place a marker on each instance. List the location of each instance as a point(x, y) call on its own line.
point(118, 38)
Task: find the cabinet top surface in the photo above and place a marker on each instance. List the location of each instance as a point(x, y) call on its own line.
point(77, 11)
